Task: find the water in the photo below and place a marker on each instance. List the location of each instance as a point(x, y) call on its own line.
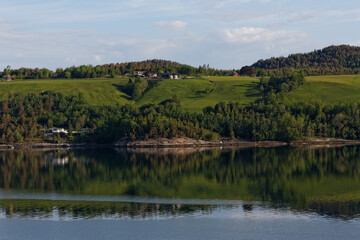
point(231, 193)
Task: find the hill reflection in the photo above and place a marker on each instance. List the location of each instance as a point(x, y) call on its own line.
point(322, 180)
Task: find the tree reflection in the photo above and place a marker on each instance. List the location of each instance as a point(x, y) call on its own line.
point(325, 180)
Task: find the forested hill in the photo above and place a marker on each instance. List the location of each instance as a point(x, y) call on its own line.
point(112, 70)
point(337, 60)
point(333, 60)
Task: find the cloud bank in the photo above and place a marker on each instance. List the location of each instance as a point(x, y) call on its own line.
point(225, 34)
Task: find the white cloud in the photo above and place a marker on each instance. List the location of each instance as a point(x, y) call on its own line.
point(178, 25)
point(97, 58)
point(71, 60)
point(252, 35)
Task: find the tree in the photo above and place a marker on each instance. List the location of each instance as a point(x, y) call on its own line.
point(67, 74)
point(137, 91)
point(112, 74)
point(7, 70)
point(176, 100)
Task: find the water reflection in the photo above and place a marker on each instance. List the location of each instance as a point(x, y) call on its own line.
point(63, 210)
point(321, 180)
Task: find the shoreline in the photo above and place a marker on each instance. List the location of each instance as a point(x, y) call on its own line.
point(183, 143)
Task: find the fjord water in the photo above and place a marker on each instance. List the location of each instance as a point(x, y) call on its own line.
point(230, 193)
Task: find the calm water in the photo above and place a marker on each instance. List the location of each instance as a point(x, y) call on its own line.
point(270, 193)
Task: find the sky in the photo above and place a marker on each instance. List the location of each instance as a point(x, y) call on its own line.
point(226, 34)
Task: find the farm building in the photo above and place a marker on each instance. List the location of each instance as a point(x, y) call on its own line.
point(170, 75)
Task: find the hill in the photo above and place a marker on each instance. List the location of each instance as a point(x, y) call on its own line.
point(194, 94)
point(333, 60)
point(101, 112)
point(199, 92)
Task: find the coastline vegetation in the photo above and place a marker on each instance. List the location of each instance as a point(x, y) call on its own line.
point(272, 117)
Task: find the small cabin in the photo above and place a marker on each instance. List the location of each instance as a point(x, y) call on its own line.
point(6, 78)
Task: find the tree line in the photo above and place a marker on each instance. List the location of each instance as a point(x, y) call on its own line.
point(112, 70)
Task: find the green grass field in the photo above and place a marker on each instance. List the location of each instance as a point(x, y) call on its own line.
point(194, 94)
point(329, 89)
point(95, 91)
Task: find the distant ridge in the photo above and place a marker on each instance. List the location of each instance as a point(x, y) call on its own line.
point(342, 59)
point(332, 60)
point(112, 70)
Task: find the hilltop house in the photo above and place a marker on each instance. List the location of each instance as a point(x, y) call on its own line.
point(6, 78)
point(170, 75)
point(153, 75)
point(140, 73)
point(145, 74)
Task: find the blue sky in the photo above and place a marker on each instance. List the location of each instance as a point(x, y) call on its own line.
point(223, 33)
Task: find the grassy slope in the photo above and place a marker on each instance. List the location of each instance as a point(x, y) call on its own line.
point(329, 89)
point(95, 91)
point(195, 94)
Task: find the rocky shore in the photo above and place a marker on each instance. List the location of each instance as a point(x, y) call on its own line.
point(186, 142)
point(189, 142)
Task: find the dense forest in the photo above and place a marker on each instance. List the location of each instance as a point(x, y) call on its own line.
point(333, 60)
point(112, 70)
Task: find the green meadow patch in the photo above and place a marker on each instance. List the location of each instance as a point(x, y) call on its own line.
point(95, 91)
point(195, 94)
point(328, 89)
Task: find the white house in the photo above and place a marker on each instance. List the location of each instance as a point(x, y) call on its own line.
point(52, 131)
